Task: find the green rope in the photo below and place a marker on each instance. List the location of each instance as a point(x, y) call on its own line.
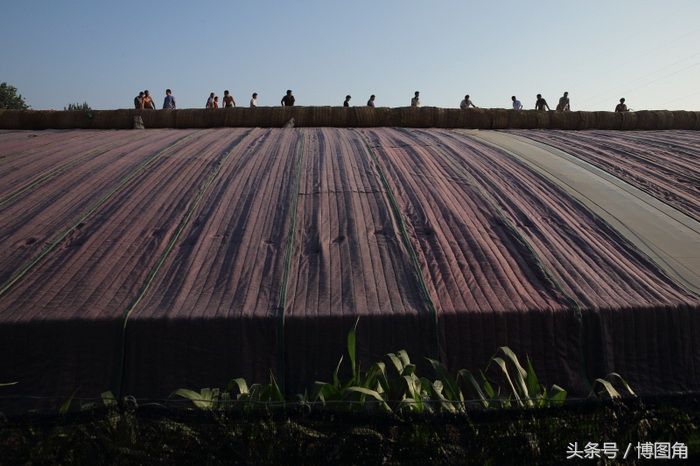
point(288, 249)
point(406, 241)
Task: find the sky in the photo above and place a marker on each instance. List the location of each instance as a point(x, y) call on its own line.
point(58, 52)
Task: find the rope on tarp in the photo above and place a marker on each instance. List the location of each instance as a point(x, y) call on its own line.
point(55, 171)
point(406, 240)
point(139, 170)
point(288, 249)
point(122, 360)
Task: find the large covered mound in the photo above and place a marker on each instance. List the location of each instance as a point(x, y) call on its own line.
point(147, 261)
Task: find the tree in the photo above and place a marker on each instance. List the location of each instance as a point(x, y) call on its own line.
point(9, 98)
point(84, 107)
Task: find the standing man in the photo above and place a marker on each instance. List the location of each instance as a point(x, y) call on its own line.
point(288, 99)
point(138, 101)
point(370, 102)
point(347, 101)
point(516, 104)
point(210, 101)
point(169, 102)
point(541, 103)
point(254, 100)
point(466, 103)
point(563, 105)
point(229, 102)
point(621, 107)
point(415, 101)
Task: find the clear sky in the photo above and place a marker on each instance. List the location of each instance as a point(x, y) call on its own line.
point(103, 52)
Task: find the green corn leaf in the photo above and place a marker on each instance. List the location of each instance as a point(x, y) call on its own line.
point(450, 383)
point(374, 394)
point(201, 400)
point(396, 362)
point(275, 392)
point(403, 355)
point(609, 389)
point(352, 349)
point(336, 379)
point(108, 399)
point(65, 406)
point(615, 375)
point(558, 395)
point(502, 364)
point(240, 384)
point(467, 376)
point(533, 384)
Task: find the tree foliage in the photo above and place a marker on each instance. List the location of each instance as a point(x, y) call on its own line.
point(10, 99)
point(84, 107)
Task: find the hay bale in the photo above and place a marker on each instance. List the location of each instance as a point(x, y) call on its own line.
point(158, 118)
point(655, 119)
point(500, 118)
point(113, 119)
point(683, 120)
point(480, 118)
point(10, 119)
point(523, 119)
point(628, 120)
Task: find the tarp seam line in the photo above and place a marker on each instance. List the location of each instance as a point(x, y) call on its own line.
point(399, 219)
point(139, 170)
point(288, 249)
point(119, 380)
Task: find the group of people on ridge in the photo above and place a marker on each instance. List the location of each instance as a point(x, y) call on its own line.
point(145, 101)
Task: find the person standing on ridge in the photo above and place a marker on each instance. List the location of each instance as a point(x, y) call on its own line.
point(517, 105)
point(621, 107)
point(466, 103)
point(138, 101)
point(229, 101)
point(210, 101)
point(216, 101)
point(563, 105)
point(148, 103)
point(254, 100)
point(347, 101)
point(541, 103)
point(169, 101)
point(415, 101)
point(288, 99)
point(370, 102)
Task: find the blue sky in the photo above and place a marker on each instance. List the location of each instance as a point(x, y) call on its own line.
point(104, 52)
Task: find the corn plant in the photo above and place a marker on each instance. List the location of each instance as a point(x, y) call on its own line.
point(605, 387)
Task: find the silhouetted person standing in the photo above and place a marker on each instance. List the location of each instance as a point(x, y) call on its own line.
point(138, 101)
point(540, 104)
point(517, 105)
point(347, 101)
point(210, 101)
point(169, 101)
point(370, 102)
point(621, 107)
point(254, 100)
point(563, 105)
point(288, 99)
point(415, 101)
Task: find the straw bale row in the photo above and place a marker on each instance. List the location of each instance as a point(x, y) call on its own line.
point(409, 117)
